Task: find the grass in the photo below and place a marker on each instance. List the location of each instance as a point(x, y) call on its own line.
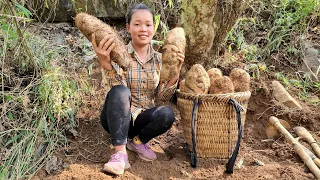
point(39, 97)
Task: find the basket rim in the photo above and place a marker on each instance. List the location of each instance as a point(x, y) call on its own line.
point(236, 95)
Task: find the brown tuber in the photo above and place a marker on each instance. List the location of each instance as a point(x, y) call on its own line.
point(222, 85)
point(240, 79)
point(89, 24)
point(174, 42)
point(214, 73)
point(197, 80)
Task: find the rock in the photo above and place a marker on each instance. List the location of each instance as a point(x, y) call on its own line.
point(65, 10)
point(281, 95)
point(54, 165)
point(258, 162)
point(88, 58)
point(311, 60)
point(314, 98)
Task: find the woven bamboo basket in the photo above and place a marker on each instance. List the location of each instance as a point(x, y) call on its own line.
point(215, 127)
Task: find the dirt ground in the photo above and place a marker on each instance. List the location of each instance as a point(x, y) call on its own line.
point(90, 147)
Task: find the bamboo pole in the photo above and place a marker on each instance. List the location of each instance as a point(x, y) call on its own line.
point(306, 136)
point(296, 146)
point(315, 159)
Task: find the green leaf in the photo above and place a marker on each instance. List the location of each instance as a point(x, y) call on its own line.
point(171, 4)
point(10, 115)
point(25, 11)
point(90, 69)
point(51, 117)
point(229, 48)
point(3, 172)
point(8, 97)
point(157, 19)
point(20, 99)
point(46, 4)
point(15, 138)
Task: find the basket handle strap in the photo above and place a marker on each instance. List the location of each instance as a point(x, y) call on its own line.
point(193, 154)
point(232, 160)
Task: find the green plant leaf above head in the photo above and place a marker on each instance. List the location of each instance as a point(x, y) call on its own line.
point(157, 22)
point(24, 11)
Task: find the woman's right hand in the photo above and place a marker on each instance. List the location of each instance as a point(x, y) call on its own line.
point(103, 51)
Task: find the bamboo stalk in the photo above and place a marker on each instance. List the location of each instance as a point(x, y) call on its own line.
point(313, 157)
point(306, 136)
point(296, 146)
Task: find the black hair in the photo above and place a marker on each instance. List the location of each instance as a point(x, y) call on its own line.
point(136, 8)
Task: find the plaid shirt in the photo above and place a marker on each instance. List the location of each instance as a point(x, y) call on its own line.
point(143, 81)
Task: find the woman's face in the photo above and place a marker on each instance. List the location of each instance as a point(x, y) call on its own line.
point(141, 27)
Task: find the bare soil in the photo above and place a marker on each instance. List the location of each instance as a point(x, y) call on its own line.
point(90, 148)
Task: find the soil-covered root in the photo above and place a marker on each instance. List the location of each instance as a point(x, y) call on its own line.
point(174, 42)
point(89, 24)
point(222, 85)
point(240, 79)
point(197, 80)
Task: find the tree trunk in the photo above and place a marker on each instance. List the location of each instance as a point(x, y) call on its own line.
point(206, 24)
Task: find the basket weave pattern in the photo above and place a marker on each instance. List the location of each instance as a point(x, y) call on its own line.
point(215, 123)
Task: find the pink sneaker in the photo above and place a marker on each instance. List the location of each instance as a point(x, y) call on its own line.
point(117, 163)
point(143, 150)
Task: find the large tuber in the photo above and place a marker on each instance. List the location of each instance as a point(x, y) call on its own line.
point(89, 24)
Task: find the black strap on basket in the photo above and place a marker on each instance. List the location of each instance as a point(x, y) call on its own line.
point(232, 160)
point(193, 153)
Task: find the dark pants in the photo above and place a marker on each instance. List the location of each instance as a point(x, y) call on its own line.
point(116, 118)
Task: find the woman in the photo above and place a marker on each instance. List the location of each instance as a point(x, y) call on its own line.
point(129, 110)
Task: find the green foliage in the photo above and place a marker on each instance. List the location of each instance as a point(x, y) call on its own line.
point(282, 22)
point(38, 98)
point(270, 35)
point(289, 19)
point(157, 22)
point(22, 11)
point(59, 93)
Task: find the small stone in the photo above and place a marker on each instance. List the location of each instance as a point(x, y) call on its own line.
point(314, 98)
point(311, 60)
point(186, 174)
point(89, 57)
point(258, 162)
point(240, 164)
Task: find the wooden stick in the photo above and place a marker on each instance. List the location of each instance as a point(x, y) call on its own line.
point(296, 146)
point(306, 136)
